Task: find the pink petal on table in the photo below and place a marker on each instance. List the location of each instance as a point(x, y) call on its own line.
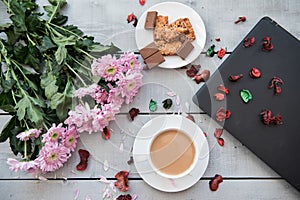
point(42, 178)
point(173, 182)
point(106, 194)
point(105, 165)
point(171, 94)
point(77, 191)
point(179, 111)
point(134, 197)
point(104, 180)
point(121, 147)
point(88, 197)
point(177, 100)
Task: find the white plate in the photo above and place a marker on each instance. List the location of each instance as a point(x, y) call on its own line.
point(174, 11)
point(141, 146)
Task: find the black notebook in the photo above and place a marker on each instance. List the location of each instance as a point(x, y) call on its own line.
point(277, 145)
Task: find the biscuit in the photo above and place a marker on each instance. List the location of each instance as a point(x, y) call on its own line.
point(183, 25)
point(161, 21)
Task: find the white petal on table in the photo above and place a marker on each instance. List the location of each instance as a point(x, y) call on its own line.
point(105, 165)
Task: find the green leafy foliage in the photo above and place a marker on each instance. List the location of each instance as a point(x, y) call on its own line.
point(43, 59)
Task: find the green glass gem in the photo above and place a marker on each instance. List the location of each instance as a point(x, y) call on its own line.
point(211, 51)
point(167, 103)
point(152, 105)
point(245, 95)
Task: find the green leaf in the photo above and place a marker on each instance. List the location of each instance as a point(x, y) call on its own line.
point(7, 84)
point(5, 134)
point(59, 20)
point(35, 114)
point(64, 41)
point(51, 89)
point(60, 54)
point(6, 102)
point(5, 26)
point(47, 79)
point(16, 145)
point(57, 99)
point(73, 29)
point(21, 107)
point(46, 44)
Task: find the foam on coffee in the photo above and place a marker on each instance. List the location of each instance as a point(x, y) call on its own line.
point(172, 152)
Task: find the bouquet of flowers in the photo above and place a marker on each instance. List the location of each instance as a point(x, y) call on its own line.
point(42, 62)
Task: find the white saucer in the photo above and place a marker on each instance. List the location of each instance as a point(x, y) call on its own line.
point(173, 10)
point(142, 142)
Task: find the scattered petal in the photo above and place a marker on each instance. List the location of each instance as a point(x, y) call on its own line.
point(245, 95)
point(167, 103)
point(105, 165)
point(172, 182)
point(221, 141)
point(240, 19)
point(124, 197)
point(222, 88)
point(187, 105)
point(106, 133)
point(203, 77)
point(171, 94)
point(134, 197)
point(214, 183)
point(104, 180)
point(130, 161)
point(77, 191)
point(218, 132)
point(205, 134)
point(42, 178)
point(177, 100)
point(267, 45)
point(219, 96)
point(190, 117)
point(132, 18)
point(133, 112)
point(235, 78)
point(121, 147)
point(122, 181)
point(221, 53)
point(106, 194)
point(218, 39)
point(112, 187)
point(193, 70)
point(211, 51)
point(248, 42)
point(152, 105)
point(84, 155)
point(142, 2)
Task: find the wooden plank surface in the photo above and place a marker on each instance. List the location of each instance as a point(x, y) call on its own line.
point(240, 189)
point(247, 177)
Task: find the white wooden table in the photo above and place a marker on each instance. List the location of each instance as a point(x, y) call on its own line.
point(245, 175)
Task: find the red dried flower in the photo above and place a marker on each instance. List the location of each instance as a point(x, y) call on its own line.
point(268, 119)
point(218, 39)
point(124, 197)
point(193, 70)
point(222, 88)
point(221, 53)
point(240, 19)
point(190, 117)
point(214, 183)
point(248, 42)
point(222, 114)
point(267, 45)
point(133, 112)
point(106, 134)
point(255, 73)
point(204, 76)
point(84, 155)
point(219, 96)
point(218, 132)
point(276, 82)
point(205, 134)
point(221, 141)
point(122, 181)
point(235, 77)
point(142, 2)
point(132, 18)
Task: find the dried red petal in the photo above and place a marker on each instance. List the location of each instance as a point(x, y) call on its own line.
point(218, 39)
point(203, 77)
point(214, 183)
point(218, 132)
point(248, 42)
point(84, 155)
point(219, 96)
point(276, 82)
point(193, 70)
point(222, 88)
point(133, 112)
point(142, 2)
point(235, 77)
point(122, 181)
point(240, 19)
point(131, 17)
point(221, 141)
point(106, 134)
point(255, 73)
point(222, 114)
point(205, 134)
point(124, 197)
point(268, 119)
point(190, 117)
point(221, 53)
point(267, 45)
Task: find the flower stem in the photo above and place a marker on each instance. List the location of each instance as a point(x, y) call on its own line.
point(76, 74)
point(30, 40)
point(25, 150)
point(63, 29)
point(45, 126)
point(80, 64)
point(84, 52)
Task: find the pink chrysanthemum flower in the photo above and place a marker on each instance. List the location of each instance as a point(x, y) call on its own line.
point(85, 119)
point(130, 62)
point(31, 133)
point(129, 86)
point(16, 165)
point(107, 67)
point(81, 92)
point(70, 138)
point(100, 95)
point(53, 134)
point(52, 157)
